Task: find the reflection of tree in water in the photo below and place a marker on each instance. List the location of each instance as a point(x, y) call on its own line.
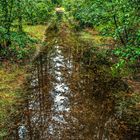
point(38, 104)
point(94, 114)
point(60, 103)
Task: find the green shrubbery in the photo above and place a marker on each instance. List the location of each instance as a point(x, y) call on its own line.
point(20, 48)
point(118, 19)
point(14, 43)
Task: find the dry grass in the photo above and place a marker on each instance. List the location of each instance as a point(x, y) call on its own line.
point(11, 79)
point(97, 39)
point(36, 31)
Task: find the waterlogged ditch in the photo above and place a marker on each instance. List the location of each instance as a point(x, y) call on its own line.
point(65, 100)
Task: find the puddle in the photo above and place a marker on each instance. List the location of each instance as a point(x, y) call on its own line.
point(60, 105)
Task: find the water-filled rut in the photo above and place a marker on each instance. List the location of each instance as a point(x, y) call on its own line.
point(60, 105)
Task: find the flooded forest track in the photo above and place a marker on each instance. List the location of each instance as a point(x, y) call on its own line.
point(66, 100)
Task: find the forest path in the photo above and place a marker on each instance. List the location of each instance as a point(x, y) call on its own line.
point(59, 95)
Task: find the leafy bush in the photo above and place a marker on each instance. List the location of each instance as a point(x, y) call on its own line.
point(119, 19)
point(21, 47)
point(128, 54)
point(127, 57)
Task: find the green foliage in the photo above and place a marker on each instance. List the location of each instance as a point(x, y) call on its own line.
point(19, 48)
point(128, 54)
point(126, 57)
point(120, 19)
point(20, 45)
point(15, 13)
point(37, 11)
point(116, 18)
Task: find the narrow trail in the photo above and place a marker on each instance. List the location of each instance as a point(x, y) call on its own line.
point(59, 98)
point(59, 104)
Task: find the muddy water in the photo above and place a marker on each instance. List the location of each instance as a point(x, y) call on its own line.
point(60, 103)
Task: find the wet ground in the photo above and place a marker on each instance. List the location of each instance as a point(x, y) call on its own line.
point(64, 98)
point(60, 104)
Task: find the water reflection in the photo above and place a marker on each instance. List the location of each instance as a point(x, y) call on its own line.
point(59, 104)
